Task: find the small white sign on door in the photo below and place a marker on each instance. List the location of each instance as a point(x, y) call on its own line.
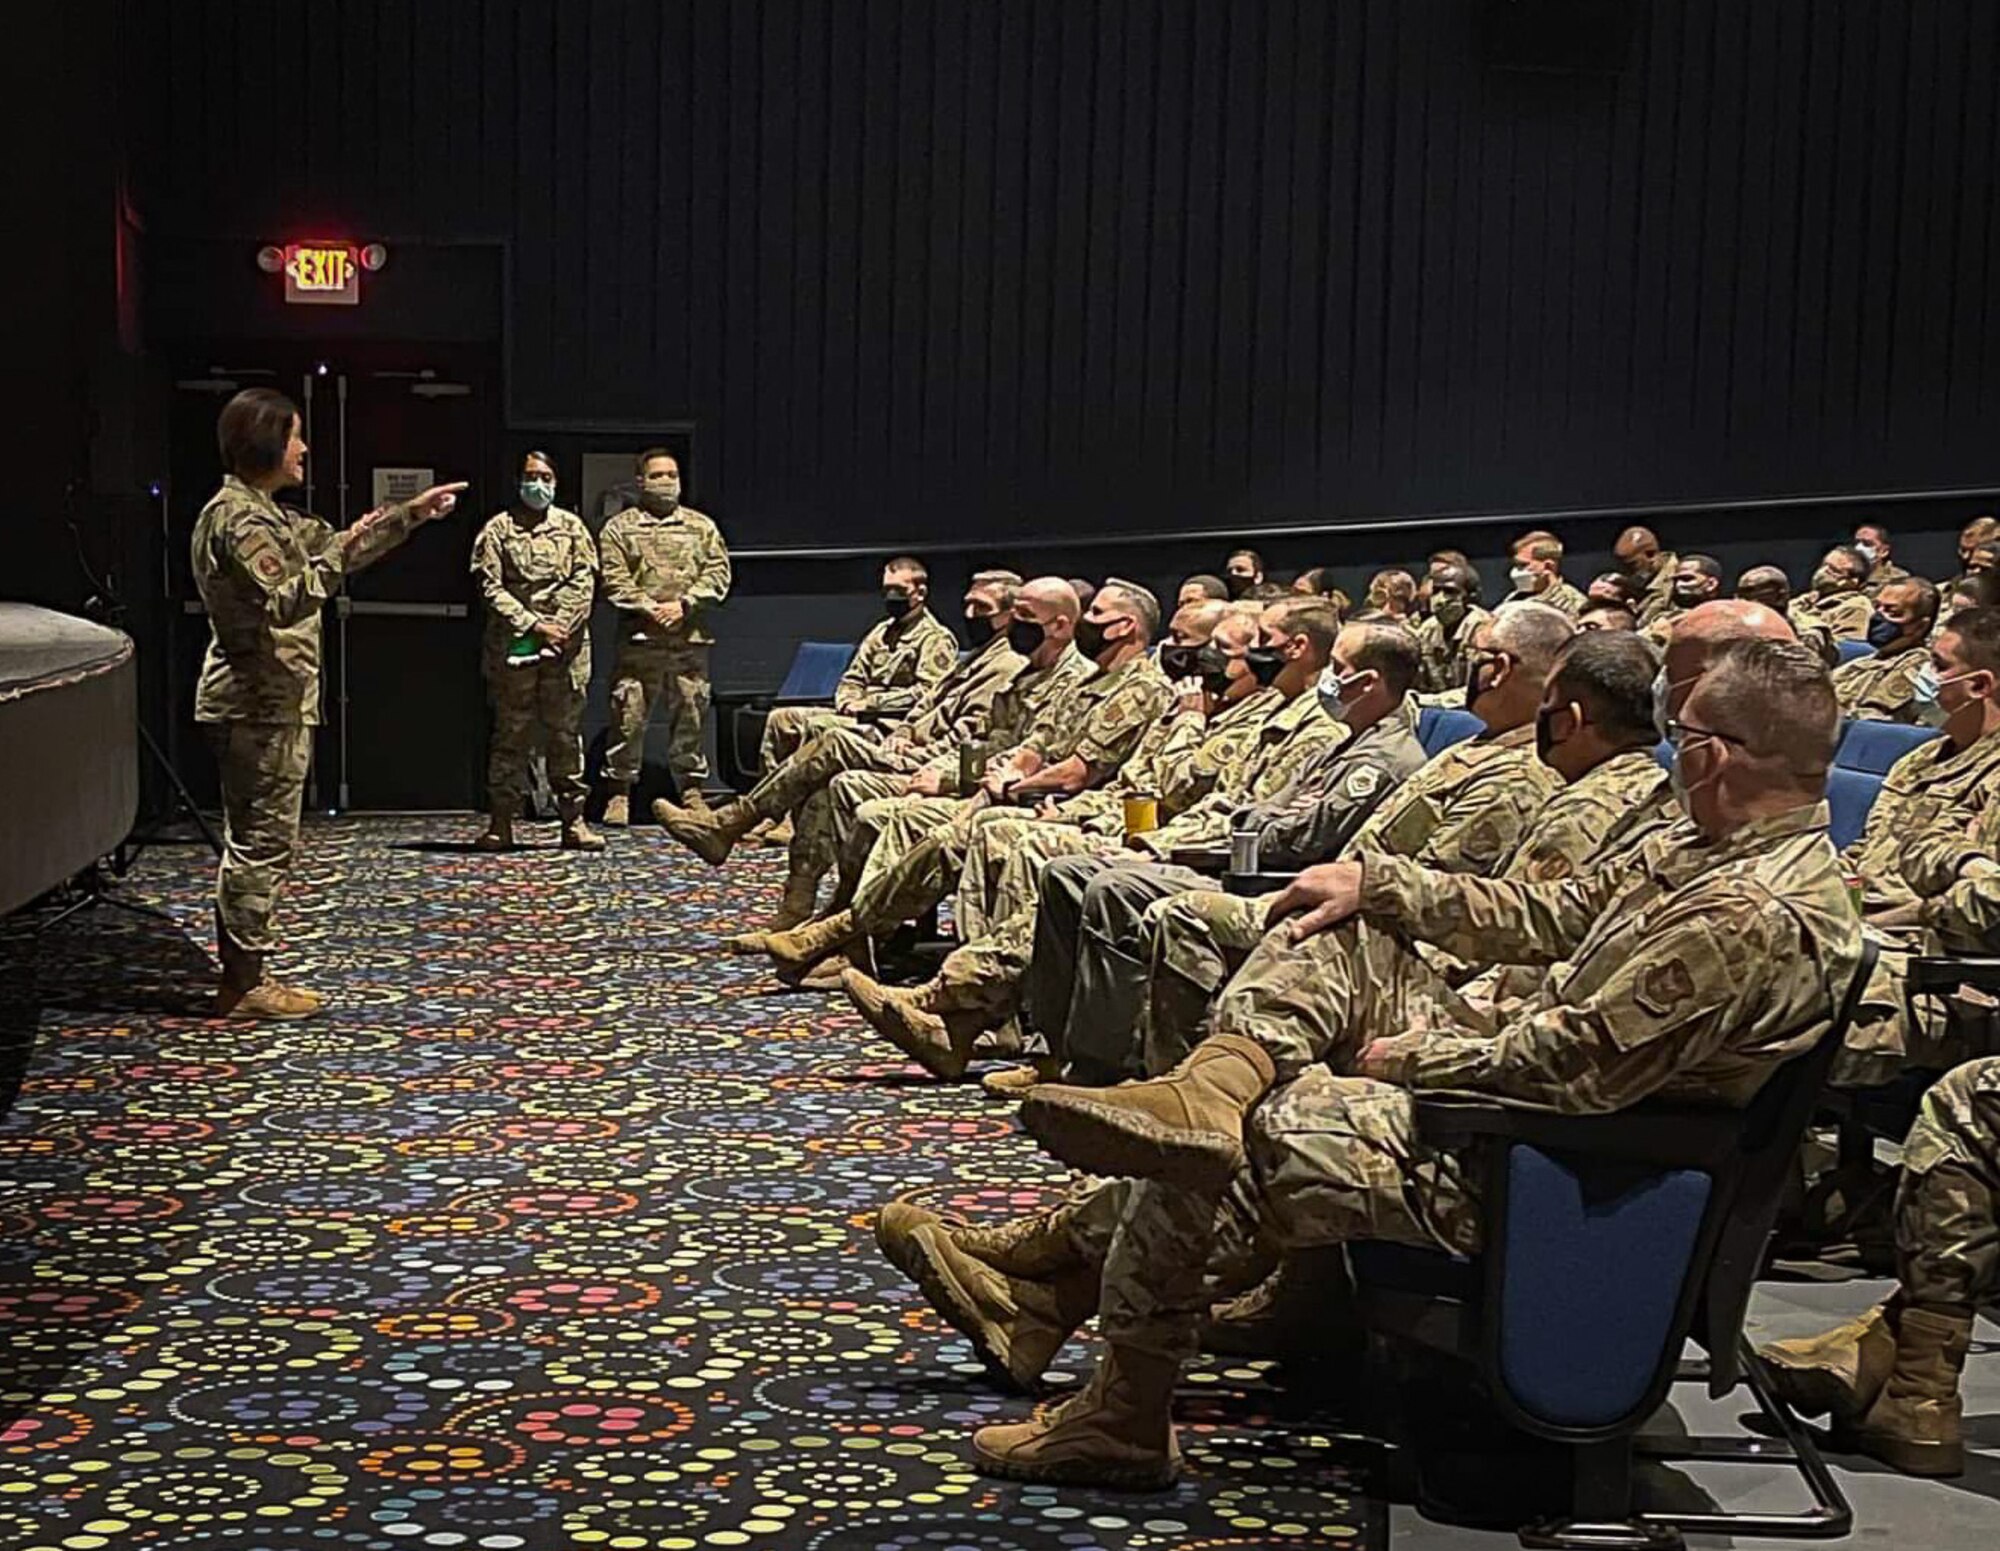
point(392, 485)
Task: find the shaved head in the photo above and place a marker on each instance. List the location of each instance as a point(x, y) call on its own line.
point(1053, 594)
point(1194, 623)
point(1700, 635)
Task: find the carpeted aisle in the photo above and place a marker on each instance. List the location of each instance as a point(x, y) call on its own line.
point(554, 1234)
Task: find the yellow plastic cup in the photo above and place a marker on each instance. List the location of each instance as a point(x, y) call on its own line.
point(1142, 814)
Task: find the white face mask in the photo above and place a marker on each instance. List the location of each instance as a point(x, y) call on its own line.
point(1332, 683)
point(1523, 578)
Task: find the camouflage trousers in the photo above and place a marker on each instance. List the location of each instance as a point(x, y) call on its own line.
point(789, 727)
point(997, 904)
point(536, 710)
point(915, 849)
point(647, 672)
point(1327, 1160)
point(1306, 1003)
point(263, 771)
point(1948, 1205)
point(800, 783)
point(1884, 1041)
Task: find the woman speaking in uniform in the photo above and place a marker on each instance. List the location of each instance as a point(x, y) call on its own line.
point(537, 570)
point(264, 572)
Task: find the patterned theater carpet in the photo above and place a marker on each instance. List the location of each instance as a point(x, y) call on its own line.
point(554, 1234)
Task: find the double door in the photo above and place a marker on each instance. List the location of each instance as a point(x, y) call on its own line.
point(403, 720)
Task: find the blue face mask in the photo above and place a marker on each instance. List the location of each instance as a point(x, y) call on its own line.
point(1924, 696)
point(1883, 631)
point(536, 494)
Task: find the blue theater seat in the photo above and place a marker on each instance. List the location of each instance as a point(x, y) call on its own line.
point(1872, 747)
point(1610, 1242)
point(810, 680)
point(1439, 727)
point(1849, 650)
point(1850, 794)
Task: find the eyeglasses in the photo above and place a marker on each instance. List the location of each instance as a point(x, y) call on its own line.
point(1678, 733)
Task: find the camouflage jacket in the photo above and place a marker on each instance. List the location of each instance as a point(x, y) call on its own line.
point(1659, 592)
point(1571, 831)
point(1169, 763)
point(1103, 721)
point(649, 559)
point(533, 566)
point(1691, 973)
point(895, 666)
point(1441, 652)
point(1881, 689)
point(1562, 596)
point(1466, 809)
point(959, 707)
point(1032, 698)
point(264, 572)
point(1844, 615)
point(1952, 861)
point(1289, 740)
point(1929, 775)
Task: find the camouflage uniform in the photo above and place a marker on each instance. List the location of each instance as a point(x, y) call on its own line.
point(894, 669)
point(649, 559)
point(1929, 775)
point(1085, 978)
point(1659, 596)
point(917, 856)
point(1690, 975)
point(264, 573)
point(1467, 810)
point(1881, 689)
point(1948, 1204)
point(1442, 652)
point(1288, 741)
point(994, 909)
point(1843, 615)
point(1561, 595)
point(535, 566)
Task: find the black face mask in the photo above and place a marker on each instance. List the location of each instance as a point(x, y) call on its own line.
point(897, 605)
point(1473, 687)
point(1266, 663)
point(1025, 636)
point(1545, 741)
point(1090, 636)
point(1238, 585)
point(1689, 594)
point(1214, 664)
point(1180, 662)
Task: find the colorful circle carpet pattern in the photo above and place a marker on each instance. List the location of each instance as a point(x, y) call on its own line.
point(554, 1233)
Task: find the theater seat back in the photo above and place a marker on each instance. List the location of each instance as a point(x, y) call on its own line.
point(815, 671)
point(1850, 650)
point(1850, 795)
point(1439, 727)
point(1872, 747)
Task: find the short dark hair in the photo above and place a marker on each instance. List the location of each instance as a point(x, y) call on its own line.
point(639, 467)
point(1925, 593)
point(1776, 699)
point(1596, 606)
point(1983, 587)
point(537, 455)
point(254, 428)
point(1463, 577)
point(1139, 602)
point(1211, 586)
point(1708, 565)
point(1389, 650)
point(1610, 673)
point(1084, 588)
point(1629, 590)
point(1251, 555)
point(912, 567)
point(1269, 592)
point(1301, 613)
point(1978, 632)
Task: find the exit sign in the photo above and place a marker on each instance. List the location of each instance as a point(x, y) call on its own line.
point(322, 274)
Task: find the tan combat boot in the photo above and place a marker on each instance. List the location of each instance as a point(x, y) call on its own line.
point(1837, 1373)
point(1117, 1431)
point(692, 800)
point(1013, 1081)
point(711, 833)
point(917, 1022)
point(799, 905)
point(267, 999)
point(750, 942)
point(577, 835)
point(798, 950)
point(498, 835)
point(618, 810)
point(1037, 1245)
point(825, 975)
point(779, 833)
point(1185, 1128)
point(1016, 1324)
point(1914, 1424)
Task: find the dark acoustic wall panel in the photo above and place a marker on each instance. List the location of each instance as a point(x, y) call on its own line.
point(925, 268)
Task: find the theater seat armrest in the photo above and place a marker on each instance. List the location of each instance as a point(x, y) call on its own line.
point(1946, 973)
point(1253, 884)
point(1666, 1135)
